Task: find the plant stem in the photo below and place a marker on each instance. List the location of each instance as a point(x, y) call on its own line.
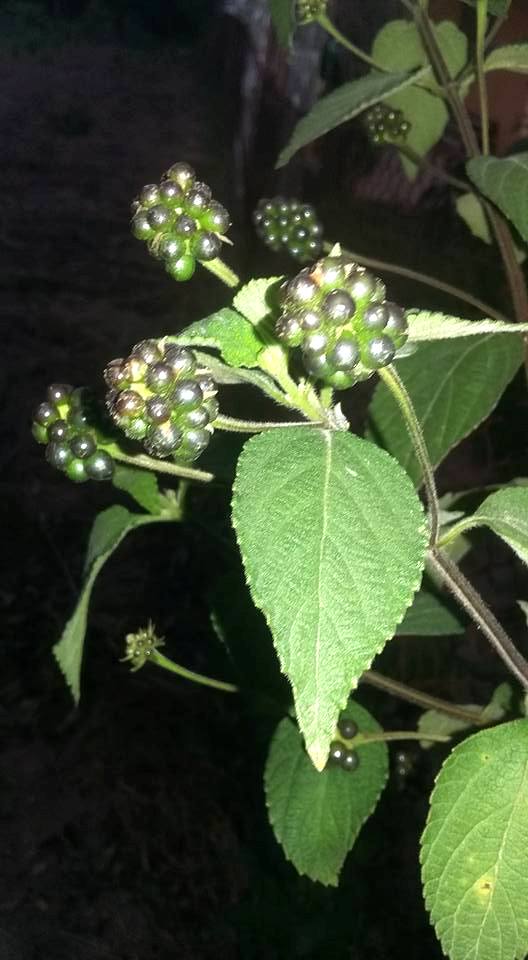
point(424, 278)
point(222, 271)
point(396, 386)
point(387, 735)
point(173, 667)
point(474, 605)
point(233, 425)
point(482, 19)
point(423, 164)
point(324, 21)
point(162, 466)
point(420, 699)
point(468, 523)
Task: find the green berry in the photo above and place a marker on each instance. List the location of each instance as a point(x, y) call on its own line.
point(39, 432)
point(182, 173)
point(194, 443)
point(160, 377)
point(182, 268)
point(170, 246)
point(141, 226)
point(76, 471)
point(215, 218)
point(162, 440)
point(159, 216)
point(170, 193)
point(149, 195)
point(197, 199)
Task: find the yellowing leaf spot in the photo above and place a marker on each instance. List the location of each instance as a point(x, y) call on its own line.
point(484, 886)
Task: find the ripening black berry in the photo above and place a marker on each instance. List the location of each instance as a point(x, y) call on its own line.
point(171, 404)
point(159, 216)
point(350, 760)
point(338, 306)
point(68, 425)
point(385, 124)
point(337, 752)
point(83, 445)
point(347, 728)
point(205, 246)
point(58, 454)
point(59, 392)
point(182, 173)
point(380, 350)
point(149, 195)
point(100, 466)
point(170, 193)
point(58, 430)
point(46, 414)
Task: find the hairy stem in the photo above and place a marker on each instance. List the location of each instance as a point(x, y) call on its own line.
point(424, 278)
point(474, 605)
point(387, 735)
point(233, 425)
point(482, 19)
point(396, 386)
point(162, 466)
point(334, 32)
point(222, 271)
point(173, 667)
point(420, 699)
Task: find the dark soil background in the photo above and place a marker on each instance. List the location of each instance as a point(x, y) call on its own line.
point(134, 828)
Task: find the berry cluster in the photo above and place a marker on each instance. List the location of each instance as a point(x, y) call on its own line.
point(180, 221)
point(308, 10)
point(340, 754)
point(65, 423)
point(385, 124)
point(290, 224)
point(158, 395)
point(337, 313)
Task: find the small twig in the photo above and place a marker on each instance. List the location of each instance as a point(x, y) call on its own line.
point(420, 699)
point(422, 163)
point(482, 19)
point(387, 735)
point(200, 678)
point(162, 466)
point(334, 32)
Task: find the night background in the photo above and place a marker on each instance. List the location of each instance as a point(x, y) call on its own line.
point(134, 828)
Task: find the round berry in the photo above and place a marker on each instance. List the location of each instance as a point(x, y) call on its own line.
point(194, 443)
point(197, 418)
point(134, 369)
point(205, 246)
point(380, 351)
point(330, 272)
point(58, 455)
point(180, 360)
point(182, 268)
point(141, 227)
point(301, 289)
point(160, 377)
point(185, 226)
point(148, 350)
point(317, 365)
point(114, 375)
point(347, 728)
point(207, 386)
point(396, 321)
point(338, 306)
point(197, 199)
point(170, 193)
point(46, 414)
point(211, 405)
point(182, 173)
point(58, 430)
point(100, 466)
point(149, 195)
point(163, 439)
point(158, 411)
point(350, 760)
point(187, 394)
point(159, 216)
point(83, 445)
point(362, 284)
point(79, 419)
point(128, 404)
point(137, 428)
point(315, 342)
point(39, 432)
point(309, 319)
point(215, 218)
point(76, 471)
point(345, 354)
point(59, 393)
point(288, 328)
point(337, 752)
point(170, 246)
point(375, 317)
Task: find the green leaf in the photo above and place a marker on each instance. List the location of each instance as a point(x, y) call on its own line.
point(341, 105)
point(506, 513)
point(141, 485)
point(109, 529)
point(398, 47)
point(454, 386)
point(282, 16)
point(504, 181)
point(333, 539)
point(435, 722)
point(426, 325)
point(226, 331)
point(497, 8)
point(429, 617)
point(475, 847)
point(513, 56)
point(316, 817)
point(253, 300)
point(470, 209)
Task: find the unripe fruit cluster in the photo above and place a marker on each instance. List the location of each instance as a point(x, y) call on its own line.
point(385, 124)
point(340, 754)
point(159, 396)
point(288, 224)
point(337, 313)
point(64, 423)
point(180, 221)
point(308, 10)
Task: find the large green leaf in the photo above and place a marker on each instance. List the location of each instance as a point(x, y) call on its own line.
point(109, 529)
point(506, 513)
point(226, 331)
point(253, 300)
point(475, 847)
point(141, 485)
point(504, 180)
point(398, 47)
point(513, 56)
point(426, 325)
point(470, 209)
point(429, 617)
point(316, 817)
point(341, 105)
point(333, 539)
point(454, 385)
